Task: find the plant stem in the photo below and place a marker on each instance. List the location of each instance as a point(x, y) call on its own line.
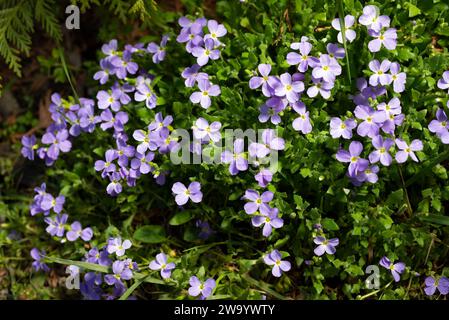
point(407, 199)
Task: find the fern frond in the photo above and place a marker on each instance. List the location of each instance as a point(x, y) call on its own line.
point(85, 4)
point(45, 14)
point(120, 8)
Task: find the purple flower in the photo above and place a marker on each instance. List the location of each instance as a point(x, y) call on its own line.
point(372, 121)
point(110, 49)
point(145, 93)
point(274, 259)
point(386, 38)
point(114, 187)
point(379, 75)
point(160, 123)
point(148, 140)
point(88, 119)
point(264, 177)
point(205, 229)
point(191, 34)
point(432, 284)
point(106, 69)
point(269, 221)
point(325, 246)
point(303, 60)
point(192, 75)
point(124, 152)
point(56, 227)
point(76, 231)
point(203, 54)
point(327, 69)
point(183, 194)
point(203, 131)
point(349, 33)
point(270, 142)
point(320, 86)
point(124, 65)
point(106, 100)
point(158, 51)
point(302, 123)
point(257, 202)
point(98, 257)
point(256, 82)
point(353, 157)
point(142, 162)
point(237, 160)
point(396, 269)
point(197, 287)
point(339, 128)
point(120, 273)
point(116, 121)
point(215, 31)
point(399, 78)
point(161, 264)
point(371, 19)
point(288, 88)
point(393, 107)
point(107, 166)
point(168, 143)
point(37, 264)
point(406, 150)
point(48, 202)
point(440, 126)
point(116, 245)
point(335, 51)
point(443, 83)
point(29, 145)
point(207, 90)
point(58, 143)
point(267, 112)
point(381, 152)
point(369, 174)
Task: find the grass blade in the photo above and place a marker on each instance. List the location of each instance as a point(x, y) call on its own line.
point(341, 16)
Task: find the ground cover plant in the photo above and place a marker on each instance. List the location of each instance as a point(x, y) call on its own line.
point(238, 150)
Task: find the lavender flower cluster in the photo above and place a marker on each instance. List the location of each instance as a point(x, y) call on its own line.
point(440, 125)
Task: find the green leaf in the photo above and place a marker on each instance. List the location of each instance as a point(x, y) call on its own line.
point(180, 218)
point(413, 10)
point(330, 224)
point(436, 219)
point(150, 234)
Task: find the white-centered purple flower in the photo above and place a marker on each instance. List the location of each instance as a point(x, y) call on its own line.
point(270, 142)
point(371, 19)
point(58, 143)
point(144, 92)
point(443, 83)
point(334, 51)
point(264, 177)
point(320, 86)
point(269, 113)
point(215, 31)
point(372, 121)
point(325, 245)
point(56, 226)
point(197, 287)
point(407, 150)
point(183, 194)
point(339, 128)
point(203, 54)
point(349, 33)
point(207, 90)
point(396, 268)
point(257, 202)
point(147, 139)
point(158, 51)
point(107, 165)
point(116, 121)
point(381, 153)
point(76, 231)
point(109, 99)
point(115, 245)
point(302, 59)
point(274, 258)
point(289, 88)
point(142, 162)
point(120, 272)
point(48, 203)
point(192, 75)
point(302, 123)
point(385, 38)
point(327, 69)
point(353, 158)
point(399, 78)
point(440, 126)
point(432, 284)
point(160, 263)
point(264, 80)
point(237, 160)
point(203, 131)
point(380, 75)
point(269, 221)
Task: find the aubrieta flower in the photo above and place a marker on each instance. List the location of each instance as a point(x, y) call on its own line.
point(269, 220)
point(264, 177)
point(289, 88)
point(183, 194)
point(372, 121)
point(56, 226)
point(192, 75)
point(396, 268)
point(203, 131)
point(399, 78)
point(386, 38)
point(303, 59)
point(117, 121)
point(371, 19)
point(58, 143)
point(109, 100)
point(215, 31)
point(432, 284)
point(115, 245)
point(407, 150)
point(88, 119)
point(207, 90)
point(35, 206)
point(120, 273)
point(158, 51)
point(161, 264)
point(443, 83)
point(279, 266)
point(325, 245)
point(263, 80)
point(270, 142)
point(440, 126)
point(334, 51)
point(148, 140)
point(339, 128)
point(107, 165)
point(77, 231)
point(203, 54)
point(302, 123)
point(48, 202)
point(237, 160)
point(114, 187)
point(380, 75)
point(349, 33)
point(320, 86)
point(328, 69)
point(124, 65)
point(144, 92)
point(142, 162)
point(267, 112)
point(257, 202)
point(28, 146)
point(197, 287)
point(100, 257)
point(37, 264)
point(353, 157)
point(369, 174)
point(381, 153)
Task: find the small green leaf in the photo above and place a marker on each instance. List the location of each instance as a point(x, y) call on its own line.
point(150, 234)
point(329, 224)
point(180, 218)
